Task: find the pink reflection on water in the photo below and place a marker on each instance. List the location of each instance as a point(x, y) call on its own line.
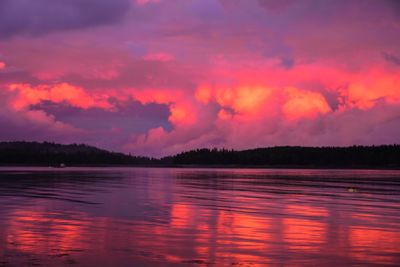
point(207, 226)
point(195, 232)
point(33, 231)
point(374, 245)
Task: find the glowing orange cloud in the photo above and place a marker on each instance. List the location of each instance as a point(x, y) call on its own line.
point(204, 93)
point(182, 114)
point(373, 87)
point(252, 101)
point(28, 95)
point(304, 104)
point(242, 99)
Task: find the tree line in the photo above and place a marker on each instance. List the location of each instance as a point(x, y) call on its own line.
point(293, 156)
point(52, 154)
point(34, 153)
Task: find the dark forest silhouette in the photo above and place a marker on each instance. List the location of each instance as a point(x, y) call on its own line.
point(51, 154)
point(34, 153)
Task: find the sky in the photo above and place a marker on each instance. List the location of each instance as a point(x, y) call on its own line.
point(157, 77)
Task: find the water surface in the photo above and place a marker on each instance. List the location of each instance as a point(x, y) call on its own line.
point(198, 217)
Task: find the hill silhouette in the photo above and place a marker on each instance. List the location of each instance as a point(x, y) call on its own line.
point(34, 153)
point(51, 154)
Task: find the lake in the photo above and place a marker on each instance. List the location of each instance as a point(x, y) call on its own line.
point(199, 217)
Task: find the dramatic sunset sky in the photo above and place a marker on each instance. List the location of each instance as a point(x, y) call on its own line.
point(155, 77)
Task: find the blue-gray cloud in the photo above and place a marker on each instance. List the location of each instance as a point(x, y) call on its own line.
point(391, 58)
point(36, 17)
point(130, 116)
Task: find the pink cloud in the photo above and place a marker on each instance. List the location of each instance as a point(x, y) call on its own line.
point(145, 2)
point(28, 95)
point(234, 74)
point(304, 104)
point(163, 57)
point(247, 115)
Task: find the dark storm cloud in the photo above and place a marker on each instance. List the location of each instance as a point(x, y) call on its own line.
point(38, 17)
point(129, 116)
point(394, 4)
point(287, 62)
point(391, 58)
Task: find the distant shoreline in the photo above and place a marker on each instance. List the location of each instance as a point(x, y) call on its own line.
point(385, 157)
point(266, 167)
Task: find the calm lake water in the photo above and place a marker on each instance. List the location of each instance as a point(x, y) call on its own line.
point(198, 217)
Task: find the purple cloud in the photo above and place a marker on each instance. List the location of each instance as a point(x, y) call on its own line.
point(200, 73)
point(43, 16)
